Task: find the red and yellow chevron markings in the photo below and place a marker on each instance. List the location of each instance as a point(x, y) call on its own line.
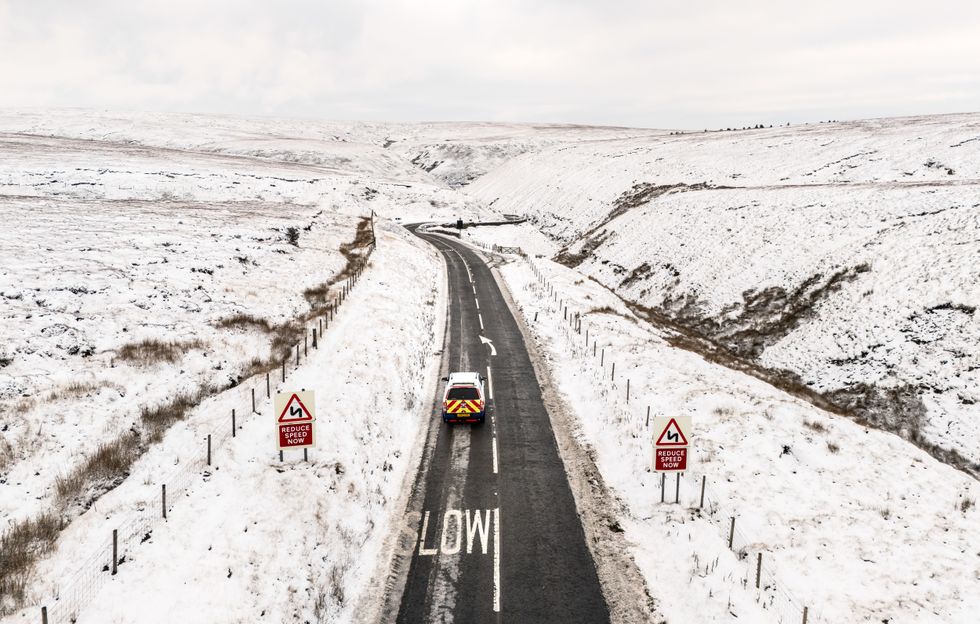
point(463, 407)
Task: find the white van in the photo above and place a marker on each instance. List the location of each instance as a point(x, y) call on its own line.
point(464, 400)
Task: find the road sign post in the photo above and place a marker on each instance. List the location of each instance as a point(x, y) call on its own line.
point(672, 435)
point(295, 420)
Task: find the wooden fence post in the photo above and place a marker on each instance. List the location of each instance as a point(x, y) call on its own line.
point(602, 358)
point(233, 417)
point(268, 388)
point(297, 354)
point(704, 479)
point(677, 490)
point(44, 615)
point(613, 378)
point(163, 499)
point(306, 345)
point(314, 339)
point(627, 391)
point(663, 483)
point(805, 612)
point(731, 534)
point(758, 570)
point(648, 416)
point(209, 449)
point(115, 550)
point(284, 369)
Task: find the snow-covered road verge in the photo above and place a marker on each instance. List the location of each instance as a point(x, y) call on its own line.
point(250, 538)
point(852, 523)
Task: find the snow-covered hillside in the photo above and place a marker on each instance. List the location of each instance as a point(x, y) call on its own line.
point(852, 523)
point(842, 253)
point(459, 153)
point(152, 262)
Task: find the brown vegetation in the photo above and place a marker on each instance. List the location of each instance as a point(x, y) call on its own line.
point(151, 351)
point(20, 547)
point(244, 321)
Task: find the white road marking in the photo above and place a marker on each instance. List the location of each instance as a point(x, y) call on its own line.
point(494, 454)
point(457, 515)
point(477, 526)
point(425, 526)
point(490, 382)
point(480, 316)
point(487, 341)
point(477, 303)
point(496, 560)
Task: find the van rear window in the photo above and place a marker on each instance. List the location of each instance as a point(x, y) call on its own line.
point(463, 394)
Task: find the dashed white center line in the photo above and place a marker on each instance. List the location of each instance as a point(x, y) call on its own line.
point(494, 454)
point(480, 316)
point(496, 560)
point(477, 303)
point(490, 382)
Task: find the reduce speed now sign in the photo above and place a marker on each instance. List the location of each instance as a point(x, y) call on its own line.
point(672, 439)
point(295, 419)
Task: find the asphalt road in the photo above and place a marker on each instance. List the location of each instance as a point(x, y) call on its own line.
point(498, 536)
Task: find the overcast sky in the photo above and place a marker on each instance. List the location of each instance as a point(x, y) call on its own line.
point(654, 63)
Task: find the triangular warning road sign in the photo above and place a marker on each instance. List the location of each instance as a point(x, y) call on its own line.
point(295, 411)
point(672, 435)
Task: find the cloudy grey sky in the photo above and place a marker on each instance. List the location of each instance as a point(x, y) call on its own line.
point(655, 63)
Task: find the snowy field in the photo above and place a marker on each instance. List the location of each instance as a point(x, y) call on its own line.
point(146, 257)
point(252, 538)
point(853, 523)
point(844, 253)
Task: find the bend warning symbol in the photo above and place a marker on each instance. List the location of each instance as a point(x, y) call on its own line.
point(296, 419)
point(672, 435)
point(294, 410)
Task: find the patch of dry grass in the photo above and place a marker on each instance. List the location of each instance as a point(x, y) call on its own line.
point(156, 420)
point(245, 321)
point(103, 470)
point(76, 389)
point(152, 351)
point(815, 426)
point(20, 546)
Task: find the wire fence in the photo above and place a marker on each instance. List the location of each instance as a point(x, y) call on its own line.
point(759, 571)
point(103, 557)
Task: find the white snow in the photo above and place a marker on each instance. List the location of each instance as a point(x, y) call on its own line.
point(785, 204)
point(253, 538)
point(854, 523)
point(144, 227)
